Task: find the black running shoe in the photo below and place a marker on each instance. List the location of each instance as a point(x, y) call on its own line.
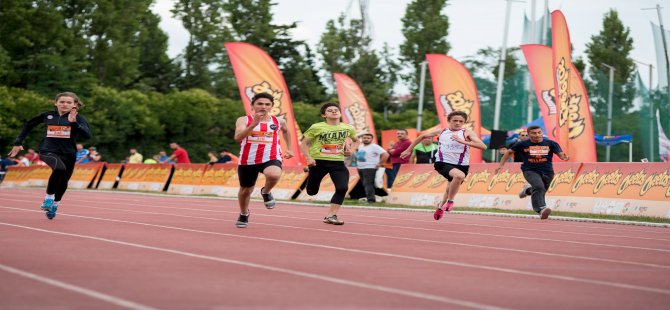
point(242, 221)
point(268, 200)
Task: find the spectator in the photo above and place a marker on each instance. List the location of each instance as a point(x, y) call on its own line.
point(223, 157)
point(23, 161)
point(94, 156)
point(82, 154)
point(162, 157)
point(395, 151)
point(424, 153)
point(180, 154)
point(135, 157)
point(518, 156)
point(151, 160)
point(503, 150)
point(370, 157)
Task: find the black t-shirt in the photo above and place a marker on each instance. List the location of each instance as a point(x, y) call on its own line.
point(536, 156)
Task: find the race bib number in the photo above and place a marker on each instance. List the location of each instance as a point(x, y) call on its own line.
point(58, 131)
point(263, 137)
point(331, 149)
point(539, 150)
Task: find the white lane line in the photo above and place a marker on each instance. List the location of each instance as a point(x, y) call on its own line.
point(396, 238)
point(416, 228)
point(384, 254)
point(77, 289)
point(364, 285)
point(543, 231)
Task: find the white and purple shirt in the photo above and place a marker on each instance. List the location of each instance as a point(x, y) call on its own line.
point(450, 151)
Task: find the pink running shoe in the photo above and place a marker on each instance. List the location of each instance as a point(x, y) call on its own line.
point(438, 214)
point(449, 206)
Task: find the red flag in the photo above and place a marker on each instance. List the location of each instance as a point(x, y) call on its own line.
point(257, 73)
point(455, 90)
point(539, 61)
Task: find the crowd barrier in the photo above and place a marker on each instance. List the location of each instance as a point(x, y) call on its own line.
point(637, 189)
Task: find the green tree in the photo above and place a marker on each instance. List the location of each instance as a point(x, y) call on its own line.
point(39, 50)
point(344, 49)
point(612, 46)
point(425, 29)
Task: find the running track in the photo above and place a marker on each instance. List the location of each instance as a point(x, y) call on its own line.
point(114, 250)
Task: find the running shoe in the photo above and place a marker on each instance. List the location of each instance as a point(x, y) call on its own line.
point(332, 220)
point(438, 214)
point(51, 213)
point(544, 214)
point(449, 206)
point(523, 193)
point(46, 204)
point(242, 221)
point(268, 200)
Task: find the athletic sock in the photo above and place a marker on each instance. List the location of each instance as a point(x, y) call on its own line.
point(50, 196)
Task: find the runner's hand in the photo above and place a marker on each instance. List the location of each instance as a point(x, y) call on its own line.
point(405, 154)
point(72, 117)
point(15, 150)
point(288, 154)
point(311, 162)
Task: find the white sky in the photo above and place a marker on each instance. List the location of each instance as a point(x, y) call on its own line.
point(474, 24)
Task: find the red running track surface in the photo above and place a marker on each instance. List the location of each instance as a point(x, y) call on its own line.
point(113, 250)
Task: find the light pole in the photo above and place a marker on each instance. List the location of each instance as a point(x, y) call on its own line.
point(422, 85)
point(501, 67)
point(652, 115)
point(609, 110)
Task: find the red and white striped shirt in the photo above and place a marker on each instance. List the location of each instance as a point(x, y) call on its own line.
point(262, 143)
point(450, 151)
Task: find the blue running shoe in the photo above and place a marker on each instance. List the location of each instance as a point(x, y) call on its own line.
point(51, 213)
point(46, 204)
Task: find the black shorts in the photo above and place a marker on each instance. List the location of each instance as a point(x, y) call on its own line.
point(248, 174)
point(444, 168)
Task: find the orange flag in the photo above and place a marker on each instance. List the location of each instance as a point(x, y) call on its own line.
point(574, 120)
point(539, 61)
point(355, 109)
point(455, 90)
point(257, 73)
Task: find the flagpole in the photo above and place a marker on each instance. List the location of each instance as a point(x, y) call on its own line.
point(501, 68)
point(422, 85)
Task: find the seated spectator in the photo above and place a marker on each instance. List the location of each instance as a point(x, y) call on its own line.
point(135, 157)
point(82, 154)
point(162, 157)
point(94, 156)
point(33, 157)
point(223, 157)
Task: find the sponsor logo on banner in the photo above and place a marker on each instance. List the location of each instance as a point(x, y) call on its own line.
point(611, 178)
point(419, 179)
point(358, 116)
point(508, 178)
point(631, 180)
point(436, 181)
point(548, 98)
point(582, 179)
point(656, 180)
point(564, 177)
point(265, 87)
point(403, 178)
point(456, 101)
point(570, 111)
point(478, 177)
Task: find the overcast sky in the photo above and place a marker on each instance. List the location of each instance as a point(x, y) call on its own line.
point(474, 24)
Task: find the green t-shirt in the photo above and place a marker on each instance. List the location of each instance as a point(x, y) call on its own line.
point(328, 140)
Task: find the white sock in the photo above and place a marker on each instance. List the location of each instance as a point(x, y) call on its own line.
point(55, 203)
point(50, 196)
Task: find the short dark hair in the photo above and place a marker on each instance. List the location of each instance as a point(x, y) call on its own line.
point(533, 127)
point(457, 113)
point(223, 150)
point(262, 95)
point(401, 129)
point(328, 105)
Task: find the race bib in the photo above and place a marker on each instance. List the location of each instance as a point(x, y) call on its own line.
point(263, 137)
point(331, 149)
point(58, 131)
point(538, 150)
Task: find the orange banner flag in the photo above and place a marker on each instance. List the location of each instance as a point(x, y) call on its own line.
point(355, 109)
point(574, 119)
point(455, 90)
point(539, 59)
point(257, 73)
